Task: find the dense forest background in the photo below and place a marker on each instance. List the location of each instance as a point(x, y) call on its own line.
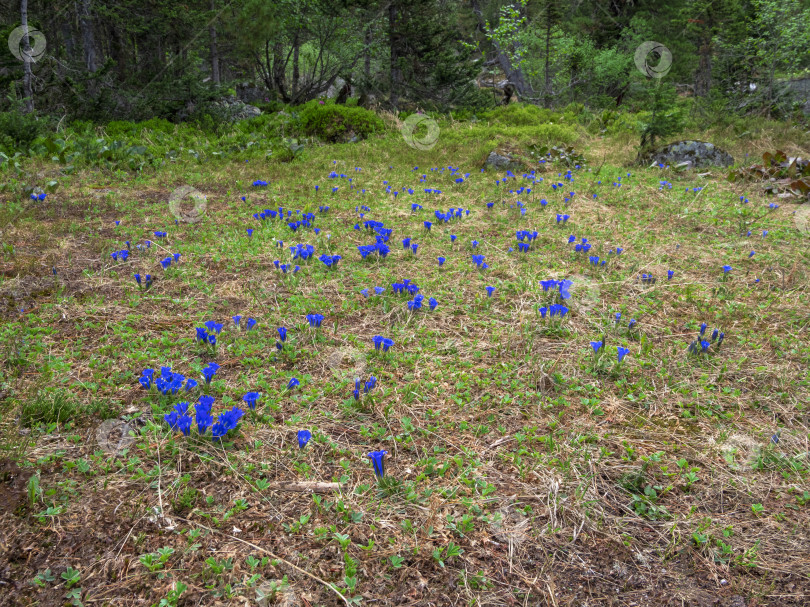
point(140, 59)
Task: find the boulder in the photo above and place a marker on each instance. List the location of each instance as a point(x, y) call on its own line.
point(502, 162)
point(697, 153)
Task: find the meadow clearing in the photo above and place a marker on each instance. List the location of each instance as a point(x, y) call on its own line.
point(594, 389)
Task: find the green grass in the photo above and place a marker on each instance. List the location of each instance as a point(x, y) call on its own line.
point(513, 450)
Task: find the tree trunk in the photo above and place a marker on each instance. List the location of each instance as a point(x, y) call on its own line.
point(703, 76)
point(88, 38)
point(514, 75)
point(28, 90)
point(295, 73)
point(547, 83)
point(393, 41)
point(279, 66)
point(212, 34)
point(367, 54)
point(67, 36)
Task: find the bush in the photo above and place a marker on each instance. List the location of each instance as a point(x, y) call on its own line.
point(332, 123)
point(125, 128)
point(18, 130)
point(520, 114)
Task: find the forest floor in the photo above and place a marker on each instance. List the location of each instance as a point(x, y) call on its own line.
point(523, 466)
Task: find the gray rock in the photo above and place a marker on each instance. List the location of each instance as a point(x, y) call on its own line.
point(335, 88)
point(697, 153)
point(234, 110)
point(501, 162)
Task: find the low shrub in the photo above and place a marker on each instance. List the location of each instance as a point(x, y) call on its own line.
point(333, 123)
point(519, 114)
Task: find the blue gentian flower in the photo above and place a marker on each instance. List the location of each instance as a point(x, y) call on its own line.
point(146, 378)
point(303, 438)
point(191, 384)
point(369, 385)
point(704, 345)
point(632, 323)
point(726, 269)
point(166, 262)
point(213, 326)
point(379, 290)
point(387, 343)
point(596, 345)
point(204, 418)
point(452, 237)
point(138, 279)
point(703, 326)
point(433, 303)
point(618, 317)
point(293, 383)
point(377, 339)
point(622, 352)
point(226, 422)
point(250, 398)
point(251, 322)
point(427, 225)
point(670, 274)
point(209, 372)
point(378, 461)
point(490, 291)
point(250, 232)
point(184, 424)
point(414, 246)
point(236, 320)
point(751, 254)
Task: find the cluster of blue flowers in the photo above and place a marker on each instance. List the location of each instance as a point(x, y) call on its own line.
point(209, 333)
point(478, 260)
point(702, 345)
point(562, 287)
point(368, 386)
point(580, 247)
point(553, 310)
point(380, 248)
point(287, 267)
point(179, 419)
point(167, 382)
point(315, 320)
point(145, 283)
point(384, 342)
point(330, 261)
